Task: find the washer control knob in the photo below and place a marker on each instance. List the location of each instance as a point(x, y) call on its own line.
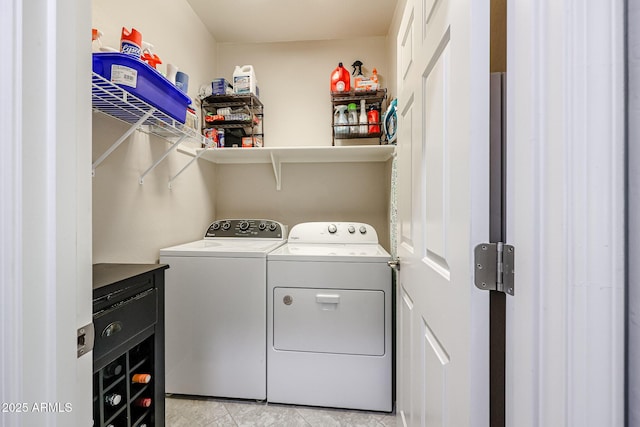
point(216, 225)
point(226, 225)
point(332, 228)
point(262, 226)
point(351, 229)
point(244, 225)
point(363, 229)
point(273, 226)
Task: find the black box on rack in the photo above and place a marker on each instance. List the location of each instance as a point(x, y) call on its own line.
point(233, 137)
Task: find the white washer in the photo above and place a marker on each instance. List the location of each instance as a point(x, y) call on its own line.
point(329, 330)
point(215, 310)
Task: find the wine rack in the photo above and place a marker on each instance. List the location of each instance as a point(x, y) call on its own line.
point(128, 379)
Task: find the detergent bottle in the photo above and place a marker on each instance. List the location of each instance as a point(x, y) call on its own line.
point(244, 80)
point(373, 117)
point(340, 122)
point(340, 80)
point(131, 42)
point(352, 118)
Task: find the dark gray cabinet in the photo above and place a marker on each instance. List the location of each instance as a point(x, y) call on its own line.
point(128, 355)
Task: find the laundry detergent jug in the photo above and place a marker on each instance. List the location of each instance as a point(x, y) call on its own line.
point(244, 80)
point(340, 79)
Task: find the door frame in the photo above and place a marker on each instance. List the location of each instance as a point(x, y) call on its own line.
point(565, 212)
point(633, 211)
point(45, 185)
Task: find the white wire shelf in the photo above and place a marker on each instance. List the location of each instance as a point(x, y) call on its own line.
point(112, 100)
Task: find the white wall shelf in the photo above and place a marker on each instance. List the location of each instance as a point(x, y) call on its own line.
point(278, 155)
point(110, 99)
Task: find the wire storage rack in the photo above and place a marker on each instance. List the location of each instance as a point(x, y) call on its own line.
point(115, 101)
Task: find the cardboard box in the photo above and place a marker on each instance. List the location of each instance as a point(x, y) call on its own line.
point(216, 87)
point(251, 141)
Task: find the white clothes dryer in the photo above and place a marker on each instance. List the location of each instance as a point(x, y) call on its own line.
point(329, 309)
point(215, 310)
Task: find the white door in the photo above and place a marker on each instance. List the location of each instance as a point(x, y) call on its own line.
point(443, 212)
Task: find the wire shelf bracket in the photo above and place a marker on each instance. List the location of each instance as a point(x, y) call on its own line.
point(112, 100)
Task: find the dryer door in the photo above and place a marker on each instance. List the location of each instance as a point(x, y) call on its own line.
point(339, 321)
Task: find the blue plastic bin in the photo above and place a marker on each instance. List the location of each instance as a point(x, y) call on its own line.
point(143, 81)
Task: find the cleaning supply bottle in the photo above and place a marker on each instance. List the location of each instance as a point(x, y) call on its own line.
point(374, 120)
point(340, 79)
point(352, 117)
point(131, 42)
point(358, 77)
point(96, 36)
point(148, 56)
point(374, 79)
point(244, 80)
point(340, 129)
point(363, 129)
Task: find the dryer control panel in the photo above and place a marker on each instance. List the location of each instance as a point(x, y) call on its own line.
point(333, 232)
point(248, 228)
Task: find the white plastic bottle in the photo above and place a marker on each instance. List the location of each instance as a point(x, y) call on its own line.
point(244, 80)
point(352, 116)
point(363, 128)
point(341, 128)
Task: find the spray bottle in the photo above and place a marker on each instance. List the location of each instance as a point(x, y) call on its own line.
point(352, 118)
point(96, 36)
point(357, 73)
point(341, 122)
point(148, 56)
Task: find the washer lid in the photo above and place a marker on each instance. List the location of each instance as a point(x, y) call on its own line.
point(330, 253)
point(228, 247)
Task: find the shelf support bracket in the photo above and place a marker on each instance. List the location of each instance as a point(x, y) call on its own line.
point(277, 170)
point(186, 166)
point(166, 153)
point(120, 140)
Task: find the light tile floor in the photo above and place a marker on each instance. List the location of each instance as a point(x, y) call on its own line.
point(188, 411)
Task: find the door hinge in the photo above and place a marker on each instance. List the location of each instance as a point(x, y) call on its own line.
point(494, 264)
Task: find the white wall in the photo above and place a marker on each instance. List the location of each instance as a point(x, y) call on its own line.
point(294, 87)
point(178, 35)
point(310, 192)
point(131, 222)
point(294, 82)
